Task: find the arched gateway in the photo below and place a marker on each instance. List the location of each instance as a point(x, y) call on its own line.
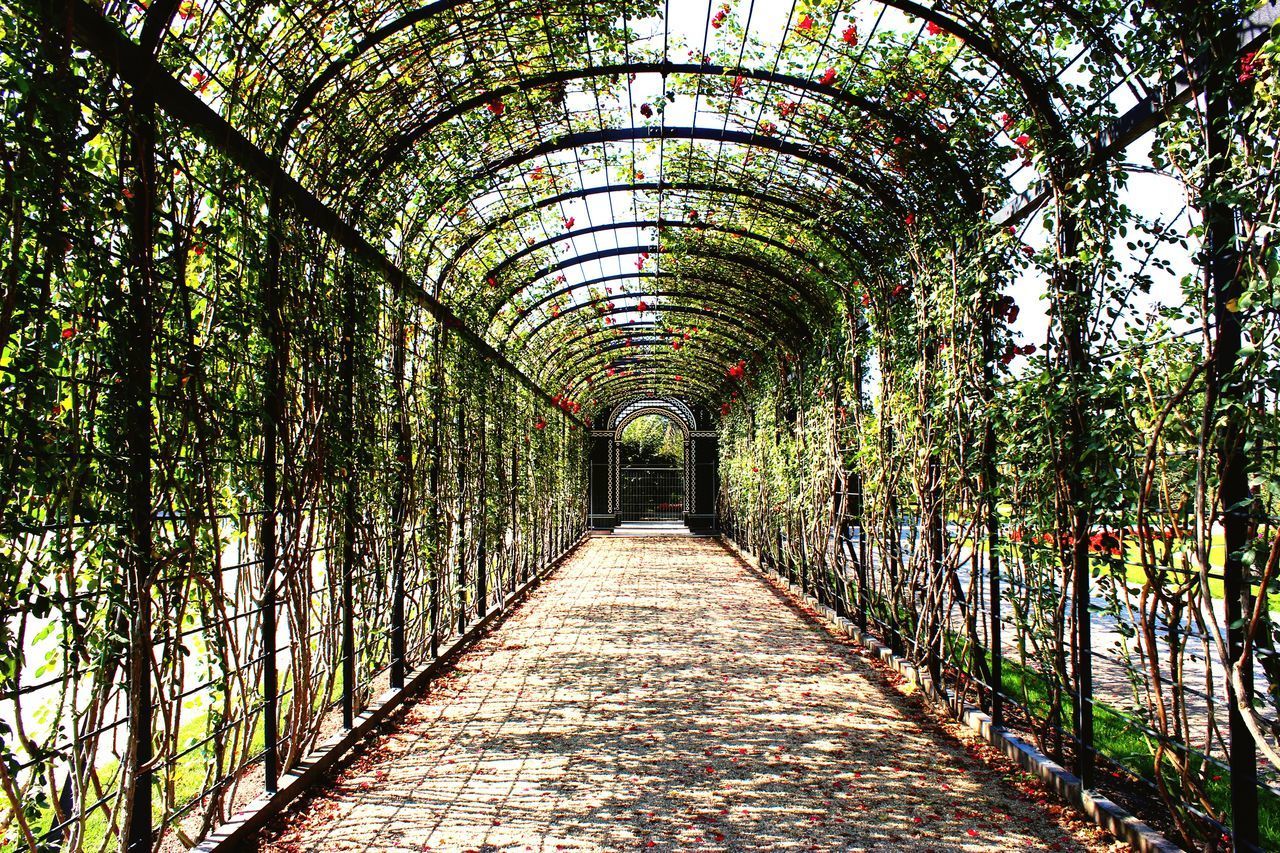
point(629, 485)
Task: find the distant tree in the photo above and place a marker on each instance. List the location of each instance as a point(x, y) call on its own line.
point(653, 439)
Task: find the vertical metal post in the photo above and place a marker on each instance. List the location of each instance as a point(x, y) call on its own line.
point(273, 419)
point(1072, 304)
point(838, 595)
point(859, 392)
point(553, 515)
point(482, 552)
point(537, 518)
point(936, 652)
point(932, 534)
point(517, 551)
point(689, 480)
point(500, 413)
point(348, 457)
point(136, 340)
point(864, 595)
point(592, 485)
point(399, 513)
point(539, 537)
point(557, 508)
point(1083, 614)
point(433, 524)
point(1227, 388)
point(460, 567)
point(991, 501)
point(615, 477)
point(891, 567)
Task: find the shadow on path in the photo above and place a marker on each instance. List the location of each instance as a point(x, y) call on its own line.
point(655, 695)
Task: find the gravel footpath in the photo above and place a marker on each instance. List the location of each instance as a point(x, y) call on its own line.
point(655, 693)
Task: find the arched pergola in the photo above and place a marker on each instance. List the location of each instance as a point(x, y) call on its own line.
point(320, 322)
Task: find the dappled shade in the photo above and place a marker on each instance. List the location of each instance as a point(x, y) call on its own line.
point(316, 313)
point(608, 713)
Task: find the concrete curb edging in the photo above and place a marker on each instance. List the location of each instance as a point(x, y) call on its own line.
point(240, 831)
point(1066, 785)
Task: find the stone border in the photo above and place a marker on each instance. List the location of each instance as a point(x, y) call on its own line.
point(240, 831)
point(1066, 785)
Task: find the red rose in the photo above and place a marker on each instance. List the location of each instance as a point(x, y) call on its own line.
point(1250, 65)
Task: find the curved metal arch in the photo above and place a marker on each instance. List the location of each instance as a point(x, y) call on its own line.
point(756, 332)
point(825, 94)
point(603, 348)
point(694, 387)
point(717, 325)
point(814, 300)
point(673, 402)
point(650, 333)
point(1036, 90)
point(634, 384)
point(710, 380)
point(1039, 93)
point(797, 326)
point(1030, 85)
point(1042, 106)
point(797, 321)
point(651, 354)
point(883, 196)
point(370, 177)
point(637, 186)
point(650, 343)
point(695, 278)
point(330, 72)
point(640, 224)
point(644, 346)
point(744, 138)
point(663, 411)
point(650, 385)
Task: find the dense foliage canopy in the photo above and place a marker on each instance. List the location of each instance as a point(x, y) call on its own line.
point(307, 304)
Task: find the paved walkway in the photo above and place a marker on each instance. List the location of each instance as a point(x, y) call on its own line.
point(656, 694)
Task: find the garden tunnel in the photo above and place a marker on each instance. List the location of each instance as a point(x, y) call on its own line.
point(321, 321)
